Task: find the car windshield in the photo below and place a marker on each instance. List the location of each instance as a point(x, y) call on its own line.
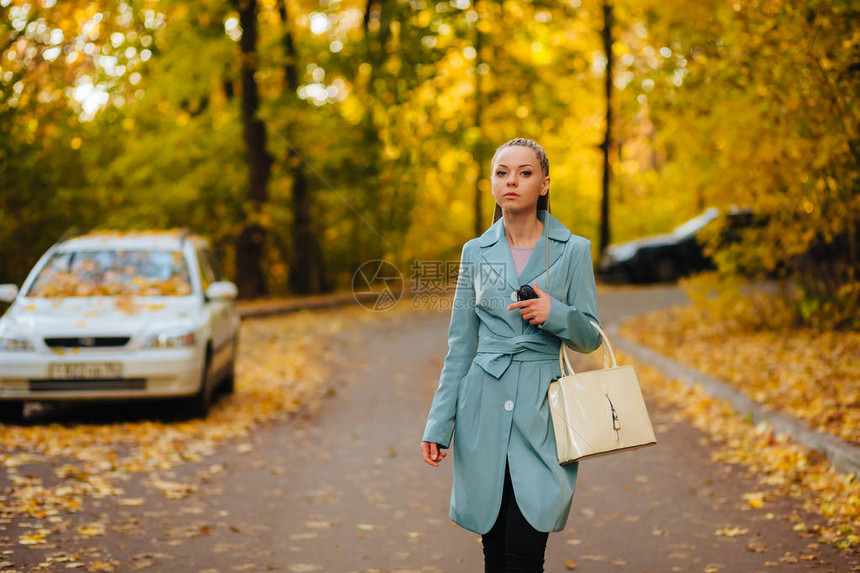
point(111, 272)
point(695, 224)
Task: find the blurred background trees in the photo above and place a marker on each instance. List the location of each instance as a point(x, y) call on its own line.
point(306, 137)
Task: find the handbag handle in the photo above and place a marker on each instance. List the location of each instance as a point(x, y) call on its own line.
point(608, 353)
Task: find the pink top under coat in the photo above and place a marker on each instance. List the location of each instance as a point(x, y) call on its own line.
point(521, 256)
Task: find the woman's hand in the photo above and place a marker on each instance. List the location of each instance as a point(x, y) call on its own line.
point(536, 310)
point(432, 453)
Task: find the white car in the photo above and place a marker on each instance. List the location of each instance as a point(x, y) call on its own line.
point(119, 315)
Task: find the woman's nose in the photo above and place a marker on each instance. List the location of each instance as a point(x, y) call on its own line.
point(512, 182)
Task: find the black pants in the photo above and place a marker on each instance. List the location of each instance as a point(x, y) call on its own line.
point(513, 545)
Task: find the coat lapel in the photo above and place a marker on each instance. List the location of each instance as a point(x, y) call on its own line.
point(496, 256)
point(496, 253)
point(537, 263)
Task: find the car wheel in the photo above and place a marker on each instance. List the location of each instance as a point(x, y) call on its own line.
point(228, 385)
point(666, 271)
point(11, 412)
point(626, 277)
point(199, 404)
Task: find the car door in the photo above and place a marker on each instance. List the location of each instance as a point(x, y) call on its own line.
point(220, 311)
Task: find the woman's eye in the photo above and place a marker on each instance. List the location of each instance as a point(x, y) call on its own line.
point(500, 173)
point(526, 173)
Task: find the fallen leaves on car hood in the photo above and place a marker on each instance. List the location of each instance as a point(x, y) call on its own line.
point(123, 314)
point(64, 284)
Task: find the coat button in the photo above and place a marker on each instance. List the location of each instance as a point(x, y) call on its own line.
point(509, 405)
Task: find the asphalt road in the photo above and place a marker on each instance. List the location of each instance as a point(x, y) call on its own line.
point(342, 488)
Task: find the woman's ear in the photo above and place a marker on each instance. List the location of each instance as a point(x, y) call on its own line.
point(544, 188)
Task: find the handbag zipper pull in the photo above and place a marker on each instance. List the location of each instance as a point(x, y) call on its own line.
point(616, 423)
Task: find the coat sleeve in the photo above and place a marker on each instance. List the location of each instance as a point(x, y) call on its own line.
point(462, 347)
point(570, 321)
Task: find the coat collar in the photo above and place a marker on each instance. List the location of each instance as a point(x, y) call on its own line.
point(556, 230)
point(495, 249)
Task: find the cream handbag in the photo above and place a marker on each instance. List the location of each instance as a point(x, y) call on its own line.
point(598, 412)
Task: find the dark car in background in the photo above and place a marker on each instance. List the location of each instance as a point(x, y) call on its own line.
point(665, 258)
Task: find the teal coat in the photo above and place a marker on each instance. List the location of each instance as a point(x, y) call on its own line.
point(492, 393)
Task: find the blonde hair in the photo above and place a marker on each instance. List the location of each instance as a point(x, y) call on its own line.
point(533, 145)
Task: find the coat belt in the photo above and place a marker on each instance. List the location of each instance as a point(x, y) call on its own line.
point(494, 355)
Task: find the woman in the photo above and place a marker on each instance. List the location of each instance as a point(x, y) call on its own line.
point(508, 485)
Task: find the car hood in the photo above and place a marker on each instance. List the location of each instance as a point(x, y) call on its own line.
point(97, 315)
point(653, 241)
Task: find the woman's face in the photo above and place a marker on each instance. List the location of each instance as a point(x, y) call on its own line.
point(517, 179)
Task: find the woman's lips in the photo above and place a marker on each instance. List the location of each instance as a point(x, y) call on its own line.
point(510, 195)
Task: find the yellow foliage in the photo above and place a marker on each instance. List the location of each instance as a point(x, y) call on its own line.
point(734, 300)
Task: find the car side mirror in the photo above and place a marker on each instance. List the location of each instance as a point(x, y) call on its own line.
point(222, 290)
point(8, 293)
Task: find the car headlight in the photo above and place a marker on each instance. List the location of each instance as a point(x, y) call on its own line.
point(14, 344)
point(171, 340)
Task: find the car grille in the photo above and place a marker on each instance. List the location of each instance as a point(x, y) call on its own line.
point(87, 384)
point(87, 341)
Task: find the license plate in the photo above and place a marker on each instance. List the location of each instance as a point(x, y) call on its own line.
point(76, 370)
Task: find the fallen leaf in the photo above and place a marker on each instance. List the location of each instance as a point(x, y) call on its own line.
point(755, 500)
point(92, 529)
point(33, 538)
point(732, 531)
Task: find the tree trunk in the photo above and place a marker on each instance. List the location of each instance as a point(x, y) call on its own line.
point(605, 233)
point(305, 274)
point(251, 241)
point(307, 271)
point(478, 150)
